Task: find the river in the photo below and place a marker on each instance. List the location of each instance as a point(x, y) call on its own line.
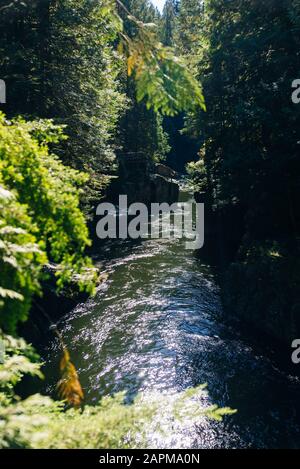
point(156, 325)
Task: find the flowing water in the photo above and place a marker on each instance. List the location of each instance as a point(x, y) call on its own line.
point(156, 326)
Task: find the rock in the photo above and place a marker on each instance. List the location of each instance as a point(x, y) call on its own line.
point(165, 171)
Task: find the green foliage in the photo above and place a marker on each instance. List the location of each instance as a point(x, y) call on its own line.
point(162, 78)
point(40, 219)
point(247, 63)
point(60, 61)
point(84, 69)
point(197, 175)
point(190, 25)
point(39, 422)
point(163, 147)
point(21, 260)
point(19, 359)
point(169, 22)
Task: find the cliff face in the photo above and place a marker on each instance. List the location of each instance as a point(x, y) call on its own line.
point(142, 181)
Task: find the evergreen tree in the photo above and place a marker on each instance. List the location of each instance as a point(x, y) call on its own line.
point(169, 22)
point(141, 129)
point(58, 62)
point(189, 25)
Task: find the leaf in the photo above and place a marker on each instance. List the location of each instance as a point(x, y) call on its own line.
point(15, 367)
point(162, 79)
point(69, 387)
point(150, 25)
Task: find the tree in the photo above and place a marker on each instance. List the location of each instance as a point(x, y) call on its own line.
point(60, 62)
point(39, 422)
point(249, 59)
point(250, 154)
point(190, 24)
point(169, 22)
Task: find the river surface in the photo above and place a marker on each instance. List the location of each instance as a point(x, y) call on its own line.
point(156, 326)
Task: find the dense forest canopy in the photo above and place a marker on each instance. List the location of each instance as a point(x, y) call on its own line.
point(248, 172)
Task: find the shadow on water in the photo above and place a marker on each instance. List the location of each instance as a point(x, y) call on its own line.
point(156, 326)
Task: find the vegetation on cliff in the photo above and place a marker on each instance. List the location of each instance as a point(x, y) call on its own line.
point(72, 69)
